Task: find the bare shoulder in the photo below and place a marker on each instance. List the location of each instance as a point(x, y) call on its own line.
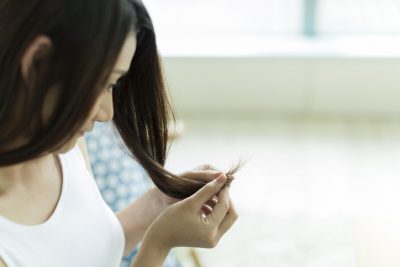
point(82, 145)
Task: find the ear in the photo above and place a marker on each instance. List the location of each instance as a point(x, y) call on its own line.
point(37, 50)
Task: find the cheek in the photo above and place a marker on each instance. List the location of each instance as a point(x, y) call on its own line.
point(69, 145)
point(95, 109)
point(50, 102)
point(87, 124)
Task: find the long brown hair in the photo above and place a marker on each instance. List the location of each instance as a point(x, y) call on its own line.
point(86, 39)
point(87, 36)
point(143, 112)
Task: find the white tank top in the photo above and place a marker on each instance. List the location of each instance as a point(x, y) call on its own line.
point(81, 232)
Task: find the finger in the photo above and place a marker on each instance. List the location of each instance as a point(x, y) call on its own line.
point(208, 191)
point(229, 220)
point(211, 203)
point(206, 209)
point(207, 167)
point(221, 208)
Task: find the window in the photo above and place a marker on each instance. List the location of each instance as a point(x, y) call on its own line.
point(276, 17)
point(277, 27)
point(366, 17)
point(226, 16)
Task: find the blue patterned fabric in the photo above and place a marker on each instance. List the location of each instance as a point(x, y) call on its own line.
point(120, 179)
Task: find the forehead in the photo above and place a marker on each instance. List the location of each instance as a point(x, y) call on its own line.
point(126, 54)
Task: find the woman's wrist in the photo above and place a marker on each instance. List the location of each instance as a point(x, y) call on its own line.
point(152, 252)
point(153, 243)
point(160, 199)
point(144, 211)
point(152, 206)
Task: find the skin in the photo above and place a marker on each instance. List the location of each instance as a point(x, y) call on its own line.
point(21, 185)
point(203, 218)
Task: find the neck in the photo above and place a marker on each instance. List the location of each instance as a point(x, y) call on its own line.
point(25, 173)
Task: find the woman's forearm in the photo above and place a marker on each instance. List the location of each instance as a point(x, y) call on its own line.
point(151, 254)
point(138, 216)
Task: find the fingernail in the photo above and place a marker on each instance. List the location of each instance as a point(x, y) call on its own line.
point(218, 174)
point(221, 179)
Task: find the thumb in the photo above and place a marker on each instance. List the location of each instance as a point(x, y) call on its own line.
point(209, 190)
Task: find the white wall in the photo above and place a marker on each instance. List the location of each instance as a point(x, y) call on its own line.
point(298, 85)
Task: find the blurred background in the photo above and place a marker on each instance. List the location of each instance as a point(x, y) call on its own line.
point(308, 92)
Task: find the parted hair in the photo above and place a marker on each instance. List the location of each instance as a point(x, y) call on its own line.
point(87, 37)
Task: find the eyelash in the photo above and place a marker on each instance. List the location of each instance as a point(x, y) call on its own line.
point(110, 87)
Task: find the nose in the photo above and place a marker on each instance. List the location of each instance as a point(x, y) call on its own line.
point(106, 109)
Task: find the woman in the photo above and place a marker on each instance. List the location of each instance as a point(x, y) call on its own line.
point(65, 64)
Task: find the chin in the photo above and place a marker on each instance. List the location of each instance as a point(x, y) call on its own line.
point(68, 146)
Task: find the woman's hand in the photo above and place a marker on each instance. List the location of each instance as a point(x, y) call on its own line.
point(203, 172)
point(185, 224)
point(149, 206)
